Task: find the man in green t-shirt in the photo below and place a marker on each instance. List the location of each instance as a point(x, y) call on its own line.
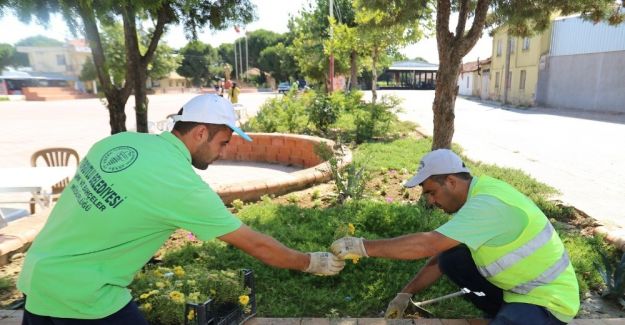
point(498, 242)
point(130, 193)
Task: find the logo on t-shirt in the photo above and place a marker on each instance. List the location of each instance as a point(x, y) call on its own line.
point(118, 159)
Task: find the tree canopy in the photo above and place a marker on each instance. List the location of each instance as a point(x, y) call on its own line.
point(86, 18)
point(199, 63)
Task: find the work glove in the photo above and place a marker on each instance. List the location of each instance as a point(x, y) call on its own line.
point(397, 306)
point(349, 248)
point(324, 263)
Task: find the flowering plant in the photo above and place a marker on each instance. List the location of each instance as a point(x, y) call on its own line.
point(162, 292)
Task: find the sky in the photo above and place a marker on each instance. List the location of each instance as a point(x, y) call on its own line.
point(272, 15)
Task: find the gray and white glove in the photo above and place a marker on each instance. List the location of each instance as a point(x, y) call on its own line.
point(397, 306)
point(349, 248)
point(324, 263)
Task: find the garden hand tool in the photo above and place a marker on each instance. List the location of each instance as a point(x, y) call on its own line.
point(426, 313)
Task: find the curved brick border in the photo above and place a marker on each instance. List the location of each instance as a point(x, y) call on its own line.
point(285, 149)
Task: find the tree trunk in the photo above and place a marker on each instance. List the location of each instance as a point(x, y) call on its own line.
point(451, 49)
point(444, 103)
point(116, 98)
point(353, 58)
point(117, 115)
point(374, 76)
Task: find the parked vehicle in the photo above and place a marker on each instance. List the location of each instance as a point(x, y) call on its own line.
point(284, 87)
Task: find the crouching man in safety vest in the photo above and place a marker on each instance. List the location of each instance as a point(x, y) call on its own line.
point(498, 242)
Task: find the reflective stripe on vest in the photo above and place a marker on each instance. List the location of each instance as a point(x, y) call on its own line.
point(518, 254)
point(546, 277)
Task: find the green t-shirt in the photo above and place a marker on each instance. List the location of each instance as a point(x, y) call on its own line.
point(485, 220)
point(130, 193)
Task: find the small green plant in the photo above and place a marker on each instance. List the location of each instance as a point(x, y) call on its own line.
point(613, 275)
point(292, 198)
point(315, 194)
point(265, 199)
point(237, 205)
point(350, 184)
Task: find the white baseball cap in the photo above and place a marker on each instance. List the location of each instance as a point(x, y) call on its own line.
point(210, 108)
point(437, 162)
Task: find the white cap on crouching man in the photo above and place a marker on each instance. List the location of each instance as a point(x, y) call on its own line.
point(210, 108)
point(437, 162)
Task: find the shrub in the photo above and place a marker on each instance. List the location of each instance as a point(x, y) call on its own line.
point(282, 114)
point(373, 120)
point(322, 113)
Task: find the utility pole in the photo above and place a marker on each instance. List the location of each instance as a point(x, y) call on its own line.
point(241, 58)
point(331, 70)
point(246, 58)
point(236, 73)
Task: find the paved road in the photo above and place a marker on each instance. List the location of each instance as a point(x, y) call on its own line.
point(580, 154)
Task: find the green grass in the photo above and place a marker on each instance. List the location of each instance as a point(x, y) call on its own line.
point(365, 288)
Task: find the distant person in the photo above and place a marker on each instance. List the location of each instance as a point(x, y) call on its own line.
point(498, 242)
point(234, 93)
point(130, 193)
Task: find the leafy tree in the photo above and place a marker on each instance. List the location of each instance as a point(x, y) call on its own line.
point(311, 31)
point(39, 41)
point(10, 57)
point(165, 61)
point(522, 18)
point(88, 72)
point(378, 34)
point(86, 17)
point(278, 61)
point(197, 60)
point(257, 41)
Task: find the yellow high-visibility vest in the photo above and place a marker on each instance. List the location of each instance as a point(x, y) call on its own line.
point(534, 268)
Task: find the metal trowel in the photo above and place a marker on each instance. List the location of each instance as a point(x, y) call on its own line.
point(425, 313)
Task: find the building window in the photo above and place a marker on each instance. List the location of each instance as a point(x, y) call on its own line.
point(512, 45)
point(509, 81)
point(60, 59)
point(522, 80)
point(499, 46)
point(497, 79)
point(526, 43)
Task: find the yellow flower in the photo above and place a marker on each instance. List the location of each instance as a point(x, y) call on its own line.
point(158, 273)
point(191, 314)
point(355, 260)
point(191, 282)
point(179, 271)
point(351, 229)
point(195, 296)
point(244, 299)
point(160, 285)
point(147, 306)
point(177, 297)
point(153, 292)
point(144, 296)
